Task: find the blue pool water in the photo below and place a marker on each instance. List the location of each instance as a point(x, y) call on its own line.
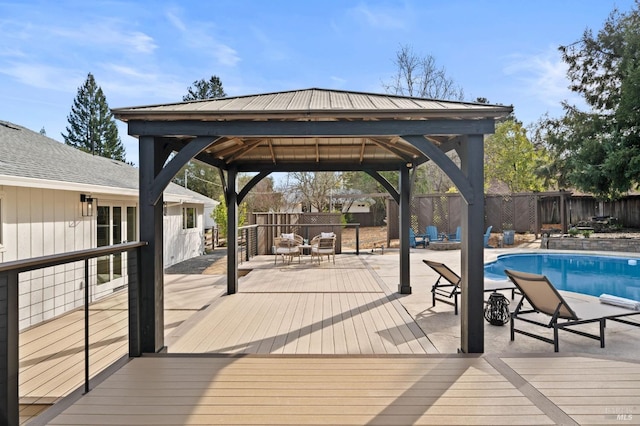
point(586, 274)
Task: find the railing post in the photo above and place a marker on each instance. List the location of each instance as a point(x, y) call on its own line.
point(9, 409)
point(86, 326)
point(133, 270)
point(246, 243)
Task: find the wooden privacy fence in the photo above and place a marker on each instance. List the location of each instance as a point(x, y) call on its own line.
point(522, 212)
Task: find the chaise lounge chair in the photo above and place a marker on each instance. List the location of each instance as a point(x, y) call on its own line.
point(447, 287)
point(544, 298)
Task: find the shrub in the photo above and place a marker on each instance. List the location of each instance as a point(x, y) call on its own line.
point(587, 233)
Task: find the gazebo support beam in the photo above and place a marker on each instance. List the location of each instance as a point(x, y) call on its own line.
point(264, 129)
point(385, 183)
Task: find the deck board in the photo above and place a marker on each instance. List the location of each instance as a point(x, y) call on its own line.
point(305, 390)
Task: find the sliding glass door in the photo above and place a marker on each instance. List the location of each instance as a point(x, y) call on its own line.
point(115, 224)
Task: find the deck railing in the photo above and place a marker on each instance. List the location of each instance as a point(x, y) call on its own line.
point(9, 315)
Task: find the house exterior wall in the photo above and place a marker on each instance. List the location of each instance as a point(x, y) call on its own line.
point(38, 222)
point(181, 244)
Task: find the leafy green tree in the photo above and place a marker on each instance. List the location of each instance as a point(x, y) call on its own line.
point(92, 128)
point(203, 89)
point(200, 178)
point(220, 216)
point(598, 150)
point(511, 158)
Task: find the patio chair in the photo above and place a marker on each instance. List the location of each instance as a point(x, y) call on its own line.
point(487, 235)
point(447, 287)
point(545, 299)
point(416, 240)
point(322, 246)
point(456, 238)
point(287, 245)
point(432, 233)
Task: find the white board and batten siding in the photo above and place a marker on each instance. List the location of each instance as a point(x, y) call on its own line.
point(179, 243)
point(38, 222)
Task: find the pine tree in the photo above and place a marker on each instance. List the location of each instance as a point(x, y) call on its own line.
point(203, 89)
point(198, 177)
point(92, 127)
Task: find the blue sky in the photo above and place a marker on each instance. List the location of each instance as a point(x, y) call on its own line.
point(150, 52)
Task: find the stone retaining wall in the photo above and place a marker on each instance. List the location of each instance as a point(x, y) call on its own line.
point(631, 245)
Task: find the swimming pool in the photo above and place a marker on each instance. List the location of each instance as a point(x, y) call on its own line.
point(586, 274)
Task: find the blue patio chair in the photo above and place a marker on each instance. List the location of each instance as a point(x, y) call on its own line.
point(416, 240)
point(432, 233)
point(486, 237)
point(457, 236)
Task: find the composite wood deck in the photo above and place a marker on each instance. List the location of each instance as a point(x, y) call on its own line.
point(303, 343)
point(304, 308)
point(358, 390)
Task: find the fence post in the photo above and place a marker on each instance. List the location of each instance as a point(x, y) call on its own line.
point(9, 409)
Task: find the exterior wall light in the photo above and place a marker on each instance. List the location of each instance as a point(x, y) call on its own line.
point(87, 204)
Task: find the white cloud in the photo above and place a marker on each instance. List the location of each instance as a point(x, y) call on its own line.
point(106, 34)
point(198, 37)
point(381, 17)
point(542, 76)
point(175, 20)
point(338, 82)
point(42, 76)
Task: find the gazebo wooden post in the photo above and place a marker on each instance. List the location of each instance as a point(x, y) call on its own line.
point(472, 259)
point(404, 186)
point(232, 231)
point(151, 288)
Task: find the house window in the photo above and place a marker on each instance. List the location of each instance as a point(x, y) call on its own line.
point(188, 217)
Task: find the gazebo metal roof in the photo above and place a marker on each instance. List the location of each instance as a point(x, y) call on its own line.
point(377, 149)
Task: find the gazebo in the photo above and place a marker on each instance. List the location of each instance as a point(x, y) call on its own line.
point(312, 130)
